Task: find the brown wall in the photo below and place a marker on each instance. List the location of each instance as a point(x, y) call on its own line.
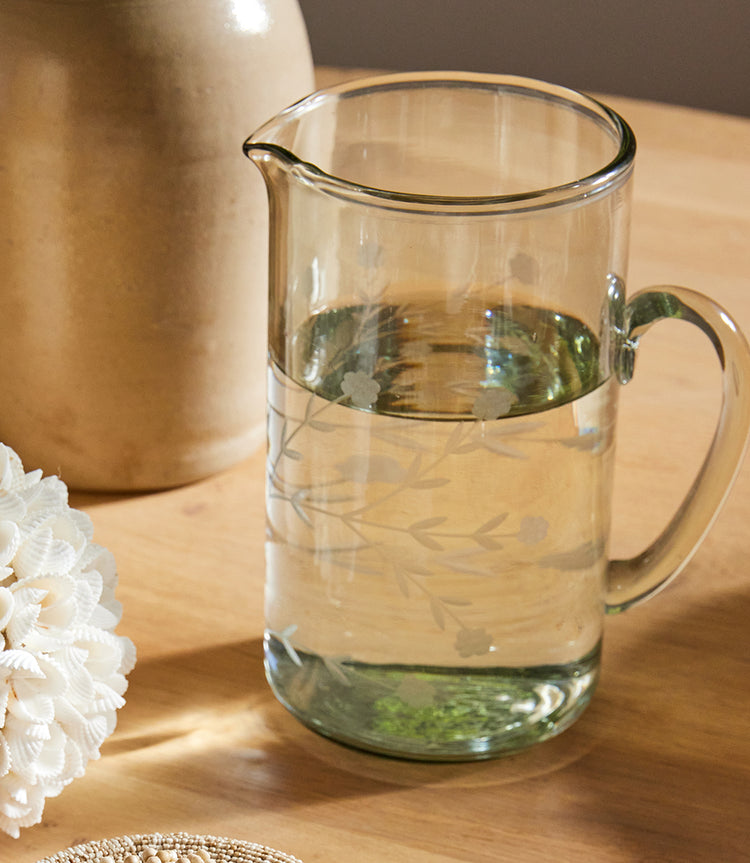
point(686, 52)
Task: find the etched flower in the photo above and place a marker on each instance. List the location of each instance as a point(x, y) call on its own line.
point(415, 691)
point(533, 529)
point(62, 667)
point(525, 268)
point(491, 404)
point(473, 642)
point(361, 388)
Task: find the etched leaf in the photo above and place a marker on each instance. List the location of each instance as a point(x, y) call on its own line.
point(437, 612)
point(492, 523)
point(503, 449)
point(468, 569)
point(461, 562)
point(293, 454)
point(321, 426)
point(427, 541)
point(335, 669)
point(412, 471)
point(324, 497)
point(417, 569)
point(401, 581)
point(454, 438)
point(447, 600)
point(437, 482)
point(285, 639)
point(297, 506)
point(428, 523)
point(487, 542)
point(309, 407)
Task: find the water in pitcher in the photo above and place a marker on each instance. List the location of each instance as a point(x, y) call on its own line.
point(435, 559)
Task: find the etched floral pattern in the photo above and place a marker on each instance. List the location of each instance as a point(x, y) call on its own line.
point(492, 404)
point(533, 530)
point(415, 691)
point(472, 642)
point(361, 388)
point(448, 530)
point(411, 571)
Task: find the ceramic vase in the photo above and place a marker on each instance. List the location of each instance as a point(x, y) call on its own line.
point(133, 239)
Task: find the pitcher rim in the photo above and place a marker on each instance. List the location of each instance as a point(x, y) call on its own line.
point(608, 176)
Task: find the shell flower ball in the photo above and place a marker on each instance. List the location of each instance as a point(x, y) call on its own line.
point(62, 667)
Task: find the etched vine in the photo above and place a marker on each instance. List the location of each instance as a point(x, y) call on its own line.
point(312, 503)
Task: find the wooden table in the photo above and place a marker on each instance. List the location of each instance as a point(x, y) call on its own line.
point(657, 769)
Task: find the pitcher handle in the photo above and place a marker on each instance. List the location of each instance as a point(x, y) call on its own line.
point(634, 580)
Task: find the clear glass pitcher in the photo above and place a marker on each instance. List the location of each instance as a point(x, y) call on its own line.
point(447, 335)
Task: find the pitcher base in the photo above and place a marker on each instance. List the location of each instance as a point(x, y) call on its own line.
point(431, 713)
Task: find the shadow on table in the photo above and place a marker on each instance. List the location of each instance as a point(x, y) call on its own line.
point(222, 693)
point(625, 776)
point(672, 781)
point(180, 695)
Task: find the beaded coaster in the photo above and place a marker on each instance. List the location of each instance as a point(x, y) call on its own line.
point(219, 850)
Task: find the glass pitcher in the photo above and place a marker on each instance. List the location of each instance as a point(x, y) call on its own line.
point(448, 331)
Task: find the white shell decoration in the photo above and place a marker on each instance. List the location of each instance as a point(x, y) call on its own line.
point(62, 667)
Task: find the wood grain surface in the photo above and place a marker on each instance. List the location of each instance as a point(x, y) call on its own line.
point(657, 769)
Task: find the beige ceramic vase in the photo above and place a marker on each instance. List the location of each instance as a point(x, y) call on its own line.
point(133, 262)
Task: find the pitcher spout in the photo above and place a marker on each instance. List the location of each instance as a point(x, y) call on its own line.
point(271, 160)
